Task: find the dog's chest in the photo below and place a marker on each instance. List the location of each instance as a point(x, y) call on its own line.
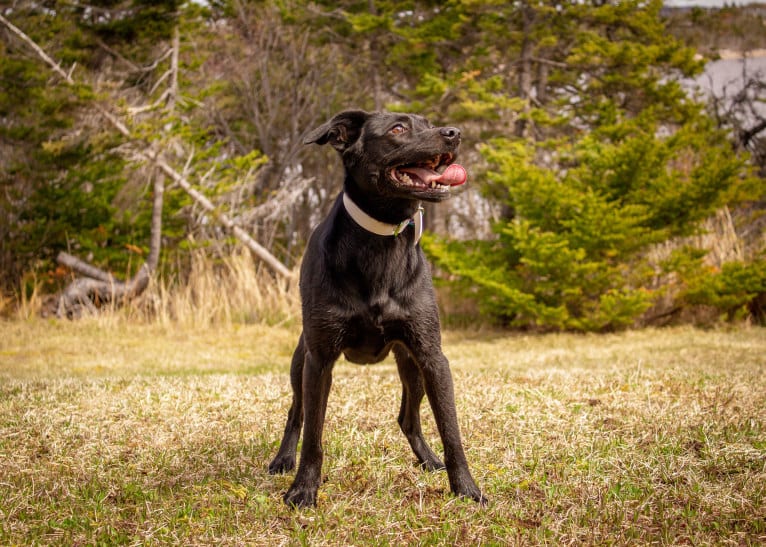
point(384, 309)
point(375, 324)
point(369, 337)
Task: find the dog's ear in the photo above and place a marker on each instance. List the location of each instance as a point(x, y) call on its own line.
point(341, 131)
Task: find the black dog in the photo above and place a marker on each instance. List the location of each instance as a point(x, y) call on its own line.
point(366, 289)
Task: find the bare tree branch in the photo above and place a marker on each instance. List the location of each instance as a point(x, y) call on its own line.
point(83, 268)
point(99, 287)
point(223, 218)
point(174, 69)
point(159, 160)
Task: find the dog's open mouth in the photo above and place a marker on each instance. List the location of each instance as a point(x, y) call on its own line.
point(437, 173)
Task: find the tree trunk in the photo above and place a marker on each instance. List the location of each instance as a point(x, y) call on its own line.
point(521, 126)
point(98, 287)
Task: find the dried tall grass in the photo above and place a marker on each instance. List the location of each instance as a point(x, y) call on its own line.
point(718, 235)
point(234, 289)
point(720, 238)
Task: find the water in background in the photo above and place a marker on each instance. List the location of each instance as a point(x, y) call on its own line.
point(725, 77)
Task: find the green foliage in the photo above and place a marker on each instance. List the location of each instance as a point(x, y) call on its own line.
point(55, 194)
point(573, 253)
point(614, 159)
point(68, 182)
point(736, 290)
point(131, 25)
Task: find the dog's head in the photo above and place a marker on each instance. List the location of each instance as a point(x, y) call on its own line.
point(392, 154)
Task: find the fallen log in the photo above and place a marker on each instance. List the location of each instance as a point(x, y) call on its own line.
point(87, 293)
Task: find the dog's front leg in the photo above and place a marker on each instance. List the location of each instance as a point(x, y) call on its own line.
point(317, 379)
point(409, 413)
point(441, 396)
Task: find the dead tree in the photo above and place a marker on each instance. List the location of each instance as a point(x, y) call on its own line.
point(740, 109)
point(98, 287)
point(742, 112)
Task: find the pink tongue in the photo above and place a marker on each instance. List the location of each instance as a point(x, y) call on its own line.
point(454, 175)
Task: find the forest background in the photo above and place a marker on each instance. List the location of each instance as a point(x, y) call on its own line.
point(603, 192)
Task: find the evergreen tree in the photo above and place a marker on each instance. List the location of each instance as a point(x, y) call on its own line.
point(606, 155)
point(54, 195)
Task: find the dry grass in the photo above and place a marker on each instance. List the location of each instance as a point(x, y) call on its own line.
point(156, 434)
point(234, 290)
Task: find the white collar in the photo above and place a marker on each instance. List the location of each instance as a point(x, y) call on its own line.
point(381, 228)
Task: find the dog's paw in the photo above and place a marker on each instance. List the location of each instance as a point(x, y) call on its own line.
point(431, 465)
point(468, 489)
point(474, 494)
point(281, 464)
point(481, 500)
point(300, 497)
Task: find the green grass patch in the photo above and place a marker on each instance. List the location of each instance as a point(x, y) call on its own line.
point(120, 434)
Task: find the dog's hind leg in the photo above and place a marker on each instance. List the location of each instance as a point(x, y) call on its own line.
point(285, 459)
point(409, 413)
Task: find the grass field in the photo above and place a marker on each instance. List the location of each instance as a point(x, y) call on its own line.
point(114, 433)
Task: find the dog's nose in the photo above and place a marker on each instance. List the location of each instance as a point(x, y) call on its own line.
point(450, 134)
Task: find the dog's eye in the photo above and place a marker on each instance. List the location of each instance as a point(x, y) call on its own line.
point(398, 129)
